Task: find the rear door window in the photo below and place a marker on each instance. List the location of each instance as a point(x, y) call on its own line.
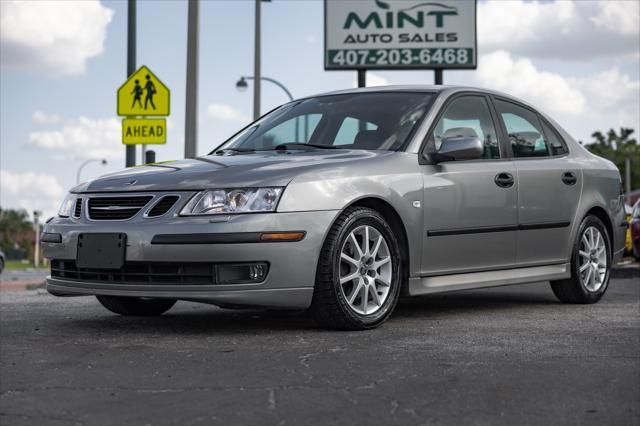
point(524, 130)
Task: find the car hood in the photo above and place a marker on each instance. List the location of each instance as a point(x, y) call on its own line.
point(267, 168)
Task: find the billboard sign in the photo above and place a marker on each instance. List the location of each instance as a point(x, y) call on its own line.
point(399, 34)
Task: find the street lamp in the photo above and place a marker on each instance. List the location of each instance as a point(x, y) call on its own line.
point(242, 85)
point(102, 161)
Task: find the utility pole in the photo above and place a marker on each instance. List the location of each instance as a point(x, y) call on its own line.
point(627, 178)
point(131, 67)
point(191, 113)
point(256, 65)
point(36, 251)
point(438, 76)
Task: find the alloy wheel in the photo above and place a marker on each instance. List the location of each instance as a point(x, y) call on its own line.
point(366, 270)
point(593, 259)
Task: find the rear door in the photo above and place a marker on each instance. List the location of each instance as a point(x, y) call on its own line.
point(549, 185)
point(470, 207)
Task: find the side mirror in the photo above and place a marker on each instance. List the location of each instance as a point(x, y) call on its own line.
point(458, 148)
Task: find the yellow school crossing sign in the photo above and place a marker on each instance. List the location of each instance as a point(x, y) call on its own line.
point(144, 95)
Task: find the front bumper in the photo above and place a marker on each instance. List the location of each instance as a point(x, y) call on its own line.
point(292, 265)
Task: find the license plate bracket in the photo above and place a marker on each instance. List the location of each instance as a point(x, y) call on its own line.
point(101, 251)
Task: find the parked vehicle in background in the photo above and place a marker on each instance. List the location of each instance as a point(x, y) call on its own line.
point(3, 260)
point(635, 230)
point(628, 243)
point(339, 203)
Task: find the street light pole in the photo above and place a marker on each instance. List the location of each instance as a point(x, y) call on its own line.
point(131, 67)
point(242, 84)
point(191, 113)
point(256, 64)
point(103, 161)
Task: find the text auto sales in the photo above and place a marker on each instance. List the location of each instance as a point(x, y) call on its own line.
point(402, 38)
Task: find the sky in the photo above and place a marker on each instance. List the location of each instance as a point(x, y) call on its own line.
point(62, 62)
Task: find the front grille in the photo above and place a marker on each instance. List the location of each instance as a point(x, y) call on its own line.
point(116, 208)
point(154, 273)
point(162, 206)
point(78, 208)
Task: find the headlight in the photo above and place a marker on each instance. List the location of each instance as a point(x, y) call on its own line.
point(67, 206)
point(225, 201)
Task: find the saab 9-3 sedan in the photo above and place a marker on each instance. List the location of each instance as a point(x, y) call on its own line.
point(340, 203)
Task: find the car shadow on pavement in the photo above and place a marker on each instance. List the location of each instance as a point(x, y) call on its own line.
point(200, 319)
point(452, 304)
point(187, 318)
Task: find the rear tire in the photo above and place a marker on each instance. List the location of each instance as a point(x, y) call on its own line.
point(590, 265)
point(135, 306)
point(357, 284)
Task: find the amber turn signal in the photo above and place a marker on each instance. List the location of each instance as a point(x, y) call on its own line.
point(282, 236)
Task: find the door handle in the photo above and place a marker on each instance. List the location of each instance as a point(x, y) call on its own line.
point(569, 178)
point(504, 180)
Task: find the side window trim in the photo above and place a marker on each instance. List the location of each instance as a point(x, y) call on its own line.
point(503, 136)
point(506, 133)
point(423, 147)
point(545, 123)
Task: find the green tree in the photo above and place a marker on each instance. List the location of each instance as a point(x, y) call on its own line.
point(16, 233)
point(616, 147)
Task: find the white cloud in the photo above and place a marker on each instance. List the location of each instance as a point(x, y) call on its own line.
point(560, 29)
point(618, 16)
point(225, 112)
point(519, 77)
point(372, 79)
point(601, 101)
point(376, 80)
point(56, 36)
point(41, 117)
point(31, 191)
point(82, 138)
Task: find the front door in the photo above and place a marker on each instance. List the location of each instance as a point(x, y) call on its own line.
point(470, 207)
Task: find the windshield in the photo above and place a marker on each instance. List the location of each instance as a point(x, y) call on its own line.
point(383, 120)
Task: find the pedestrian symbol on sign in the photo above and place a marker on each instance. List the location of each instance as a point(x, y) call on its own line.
point(151, 90)
point(137, 94)
point(143, 94)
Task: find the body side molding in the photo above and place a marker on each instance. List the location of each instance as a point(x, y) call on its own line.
point(439, 284)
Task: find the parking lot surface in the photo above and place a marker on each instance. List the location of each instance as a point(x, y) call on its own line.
point(504, 356)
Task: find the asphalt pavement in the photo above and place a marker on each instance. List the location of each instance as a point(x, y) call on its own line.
point(504, 356)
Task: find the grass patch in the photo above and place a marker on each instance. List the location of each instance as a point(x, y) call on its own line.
point(13, 265)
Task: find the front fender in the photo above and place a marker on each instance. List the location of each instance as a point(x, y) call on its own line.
point(396, 180)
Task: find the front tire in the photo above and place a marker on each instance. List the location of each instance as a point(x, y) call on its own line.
point(135, 306)
point(358, 277)
point(590, 265)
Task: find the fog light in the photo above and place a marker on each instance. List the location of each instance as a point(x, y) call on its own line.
point(241, 273)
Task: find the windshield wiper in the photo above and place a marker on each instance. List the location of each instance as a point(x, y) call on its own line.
point(285, 146)
point(236, 150)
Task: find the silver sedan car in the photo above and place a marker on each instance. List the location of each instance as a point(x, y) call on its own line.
point(340, 203)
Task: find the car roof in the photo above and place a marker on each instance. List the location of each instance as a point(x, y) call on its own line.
point(431, 88)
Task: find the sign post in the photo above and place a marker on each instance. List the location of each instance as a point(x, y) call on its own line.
point(400, 35)
point(144, 95)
